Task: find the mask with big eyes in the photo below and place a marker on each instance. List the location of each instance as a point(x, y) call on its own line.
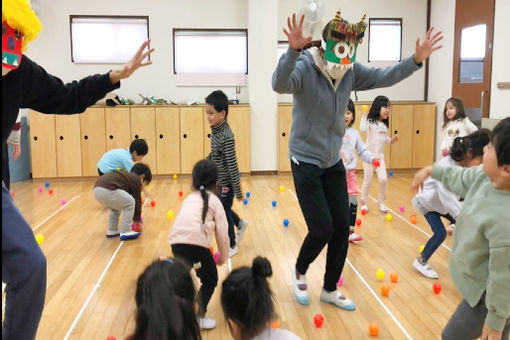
point(12, 41)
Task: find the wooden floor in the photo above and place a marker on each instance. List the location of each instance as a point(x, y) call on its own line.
point(91, 279)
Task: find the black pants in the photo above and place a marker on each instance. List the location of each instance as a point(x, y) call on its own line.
point(322, 195)
point(6, 175)
point(207, 272)
point(226, 196)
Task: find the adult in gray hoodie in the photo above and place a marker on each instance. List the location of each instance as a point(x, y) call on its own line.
point(321, 79)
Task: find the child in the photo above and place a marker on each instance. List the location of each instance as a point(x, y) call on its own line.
point(376, 126)
point(455, 124)
point(247, 302)
point(121, 191)
point(435, 201)
point(122, 158)
point(201, 216)
point(480, 259)
point(352, 141)
point(165, 303)
point(223, 154)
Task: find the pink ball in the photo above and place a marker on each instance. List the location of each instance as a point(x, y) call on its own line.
point(216, 257)
point(141, 218)
point(340, 281)
point(40, 189)
point(63, 201)
point(402, 208)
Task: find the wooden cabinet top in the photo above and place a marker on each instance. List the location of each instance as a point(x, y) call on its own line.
point(155, 105)
point(393, 102)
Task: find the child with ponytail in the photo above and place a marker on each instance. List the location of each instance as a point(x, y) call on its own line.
point(201, 215)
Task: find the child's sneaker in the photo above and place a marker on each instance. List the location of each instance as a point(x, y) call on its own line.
point(112, 233)
point(364, 205)
point(382, 207)
point(300, 288)
point(353, 237)
point(206, 323)
point(425, 269)
point(232, 251)
point(130, 235)
point(242, 229)
point(337, 299)
point(450, 229)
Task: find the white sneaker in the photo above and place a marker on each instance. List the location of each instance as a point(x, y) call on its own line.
point(300, 288)
point(240, 232)
point(450, 229)
point(353, 237)
point(364, 205)
point(232, 251)
point(206, 323)
point(130, 235)
point(382, 207)
point(337, 299)
point(425, 269)
point(112, 233)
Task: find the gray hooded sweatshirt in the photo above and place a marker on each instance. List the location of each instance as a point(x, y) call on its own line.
point(319, 104)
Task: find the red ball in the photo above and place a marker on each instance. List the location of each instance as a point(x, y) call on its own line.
point(12, 194)
point(363, 212)
point(111, 337)
point(318, 320)
point(50, 191)
point(376, 162)
point(437, 287)
point(358, 222)
point(153, 203)
point(180, 193)
point(136, 227)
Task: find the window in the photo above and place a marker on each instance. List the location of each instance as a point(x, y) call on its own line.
point(211, 56)
point(384, 40)
point(99, 39)
point(281, 48)
point(472, 54)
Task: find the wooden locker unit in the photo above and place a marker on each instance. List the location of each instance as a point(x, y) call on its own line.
point(239, 121)
point(118, 127)
point(67, 132)
point(401, 117)
point(168, 150)
point(93, 139)
point(143, 126)
point(191, 136)
point(424, 130)
point(284, 125)
point(207, 135)
point(42, 145)
point(359, 113)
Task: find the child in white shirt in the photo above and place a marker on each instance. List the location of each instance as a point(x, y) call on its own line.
point(455, 124)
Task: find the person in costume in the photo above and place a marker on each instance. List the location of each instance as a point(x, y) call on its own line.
point(321, 76)
point(25, 84)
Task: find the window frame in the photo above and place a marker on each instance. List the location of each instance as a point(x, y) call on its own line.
point(74, 16)
point(370, 36)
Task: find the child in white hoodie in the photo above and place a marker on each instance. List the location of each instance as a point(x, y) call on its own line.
point(455, 124)
point(434, 201)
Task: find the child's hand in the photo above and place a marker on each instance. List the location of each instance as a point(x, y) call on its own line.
point(420, 177)
point(490, 334)
point(376, 162)
point(394, 139)
point(444, 152)
point(295, 33)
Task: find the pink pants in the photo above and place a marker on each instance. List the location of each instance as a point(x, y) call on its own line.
point(368, 173)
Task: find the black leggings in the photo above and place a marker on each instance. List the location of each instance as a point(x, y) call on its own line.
point(207, 272)
point(322, 195)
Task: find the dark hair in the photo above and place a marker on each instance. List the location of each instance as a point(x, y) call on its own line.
point(350, 107)
point(318, 43)
point(205, 176)
point(247, 299)
point(500, 139)
point(165, 298)
point(142, 169)
point(374, 115)
point(472, 144)
point(140, 146)
point(219, 100)
point(460, 112)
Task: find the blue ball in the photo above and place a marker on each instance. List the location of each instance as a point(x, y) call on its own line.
point(47, 184)
point(390, 173)
point(273, 203)
point(248, 194)
point(286, 222)
point(245, 201)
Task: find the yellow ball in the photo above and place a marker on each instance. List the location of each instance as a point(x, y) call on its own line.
point(118, 169)
point(389, 217)
point(421, 248)
point(365, 108)
point(379, 274)
point(175, 176)
point(170, 214)
point(39, 238)
point(282, 188)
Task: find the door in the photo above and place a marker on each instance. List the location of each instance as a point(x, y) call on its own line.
point(239, 121)
point(192, 137)
point(424, 131)
point(284, 125)
point(118, 128)
point(42, 145)
point(67, 131)
point(402, 125)
point(93, 142)
point(168, 149)
point(143, 126)
point(472, 56)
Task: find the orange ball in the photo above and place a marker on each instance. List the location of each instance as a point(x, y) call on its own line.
point(394, 277)
point(153, 203)
point(385, 289)
point(413, 219)
point(373, 328)
point(363, 212)
point(275, 324)
point(358, 222)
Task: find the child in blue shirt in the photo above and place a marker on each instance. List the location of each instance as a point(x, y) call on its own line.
point(122, 158)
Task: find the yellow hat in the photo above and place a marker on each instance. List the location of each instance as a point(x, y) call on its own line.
point(19, 15)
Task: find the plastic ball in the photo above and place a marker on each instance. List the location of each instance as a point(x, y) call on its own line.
point(402, 208)
point(436, 287)
point(413, 219)
point(47, 184)
point(12, 194)
point(358, 222)
point(365, 108)
point(50, 191)
point(141, 218)
point(216, 257)
point(376, 162)
point(421, 248)
point(136, 227)
point(248, 194)
point(275, 324)
point(379, 274)
point(39, 238)
point(119, 169)
point(373, 328)
point(282, 188)
point(111, 337)
point(180, 193)
point(389, 217)
point(40, 189)
point(318, 320)
point(385, 289)
point(390, 173)
point(153, 203)
point(170, 214)
point(273, 203)
point(363, 212)
point(63, 201)
point(175, 177)
point(340, 281)
point(394, 277)
point(245, 201)
point(286, 222)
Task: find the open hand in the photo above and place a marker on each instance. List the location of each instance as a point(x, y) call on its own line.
point(490, 334)
point(420, 177)
point(131, 66)
point(428, 46)
point(17, 150)
point(295, 33)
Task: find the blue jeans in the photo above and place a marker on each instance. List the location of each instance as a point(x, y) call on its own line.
point(226, 196)
point(434, 219)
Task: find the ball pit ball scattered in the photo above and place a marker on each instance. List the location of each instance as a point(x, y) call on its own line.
point(365, 108)
point(40, 189)
point(282, 188)
point(421, 248)
point(389, 217)
point(212, 250)
point(47, 184)
point(12, 194)
point(245, 201)
point(39, 238)
point(248, 194)
point(153, 203)
point(394, 277)
point(385, 289)
point(273, 203)
point(136, 227)
point(216, 257)
point(63, 201)
point(436, 287)
point(180, 193)
point(170, 215)
point(340, 281)
point(363, 212)
point(318, 320)
point(358, 222)
point(413, 219)
point(286, 222)
point(50, 191)
point(141, 218)
point(175, 177)
point(402, 208)
point(111, 337)
point(390, 173)
point(373, 328)
point(275, 324)
point(379, 274)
